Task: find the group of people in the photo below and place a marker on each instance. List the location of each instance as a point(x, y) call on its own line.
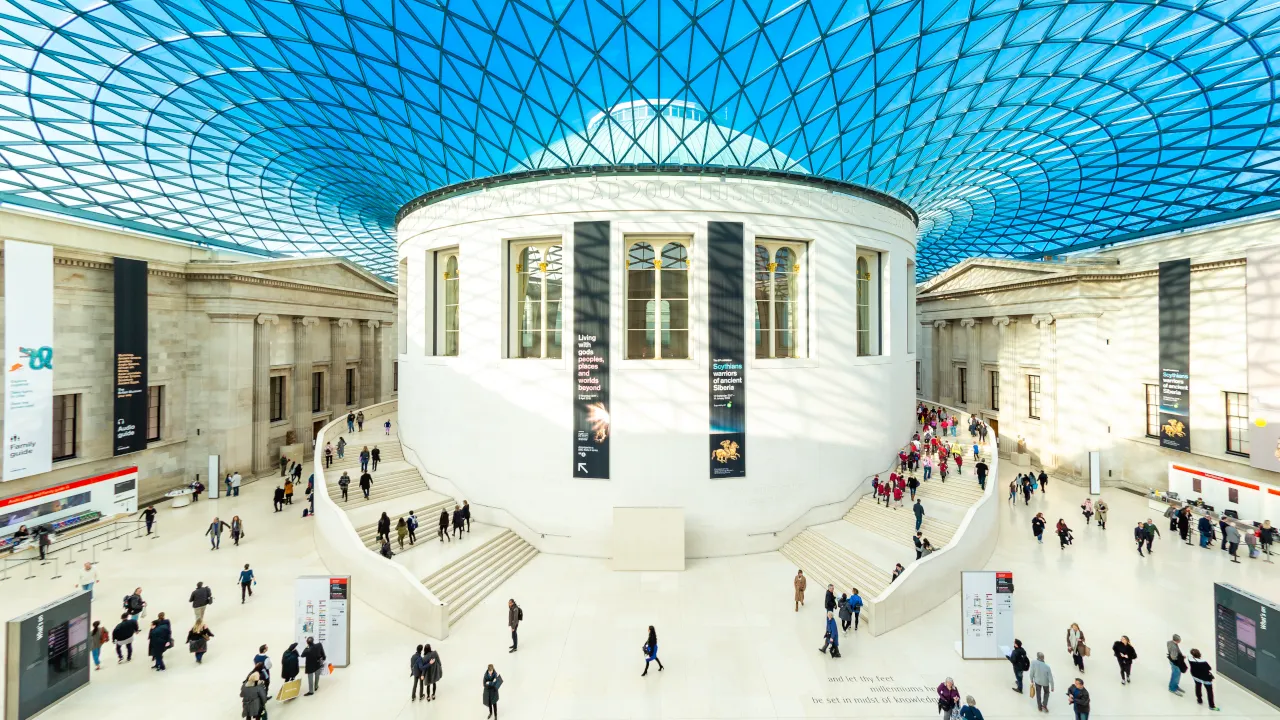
point(255, 691)
point(355, 423)
point(450, 525)
point(1027, 484)
point(1212, 527)
point(426, 669)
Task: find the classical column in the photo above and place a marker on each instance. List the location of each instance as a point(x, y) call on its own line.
point(381, 375)
point(338, 366)
point(368, 357)
point(973, 365)
point(926, 356)
point(225, 392)
point(1079, 425)
point(1006, 366)
point(262, 329)
point(942, 350)
point(1048, 388)
point(302, 380)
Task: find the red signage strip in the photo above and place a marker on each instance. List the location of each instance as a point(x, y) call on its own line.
point(25, 497)
point(1211, 476)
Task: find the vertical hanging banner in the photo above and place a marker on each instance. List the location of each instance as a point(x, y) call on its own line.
point(28, 355)
point(131, 358)
point(591, 420)
point(1175, 355)
point(728, 391)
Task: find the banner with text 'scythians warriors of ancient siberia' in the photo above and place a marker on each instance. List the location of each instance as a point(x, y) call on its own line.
point(1175, 355)
point(727, 382)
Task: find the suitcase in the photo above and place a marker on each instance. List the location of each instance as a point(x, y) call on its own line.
point(289, 690)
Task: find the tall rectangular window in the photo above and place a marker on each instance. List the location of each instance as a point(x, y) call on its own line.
point(781, 295)
point(1153, 410)
point(317, 391)
point(536, 292)
point(65, 411)
point(962, 382)
point(351, 386)
point(447, 302)
point(867, 269)
point(993, 378)
point(1238, 423)
point(395, 376)
point(155, 412)
point(657, 291)
point(277, 398)
point(1033, 396)
point(917, 377)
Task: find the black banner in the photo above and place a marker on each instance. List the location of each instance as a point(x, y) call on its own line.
point(591, 421)
point(1175, 355)
point(728, 391)
point(131, 356)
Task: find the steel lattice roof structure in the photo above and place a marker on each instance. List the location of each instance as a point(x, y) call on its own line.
point(1012, 128)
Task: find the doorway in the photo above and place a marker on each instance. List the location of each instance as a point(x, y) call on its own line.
point(316, 427)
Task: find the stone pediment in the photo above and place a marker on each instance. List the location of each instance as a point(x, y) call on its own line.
point(981, 273)
point(331, 272)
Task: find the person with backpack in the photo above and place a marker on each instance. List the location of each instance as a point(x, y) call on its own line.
point(1021, 663)
point(514, 616)
point(855, 606)
point(134, 603)
point(98, 636)
point(122, 636)
point(1125, 655)
point(411, 524)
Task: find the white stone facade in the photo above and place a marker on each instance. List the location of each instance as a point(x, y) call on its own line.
point(212, 315)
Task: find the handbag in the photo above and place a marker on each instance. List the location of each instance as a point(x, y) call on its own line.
point(1084, 650)
point(497, 682)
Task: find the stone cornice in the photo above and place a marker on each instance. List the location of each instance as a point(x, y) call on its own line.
point(232, 317)
point(1074, 277)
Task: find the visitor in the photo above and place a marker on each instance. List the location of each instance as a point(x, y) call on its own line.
point(411, 525)
point(198, 640)
point(650, 650)
point(246, 583)
point(237, 529)
point(912, 486)
point(1079, 699)
point(284, 465)
point(1086, 509)
point(800, 583)
point(457, 520)
point(197, 487)
point(386, 427)
point(384, 527)
point(253, 697)
point(314, 658)
point(926, 549)
point(982, 469)
point(366, 483)
point(1076, 646)
point(918, 510)
point(402, 531)
point(1064, 534)
point(149, 517)
point(278, 499)
point(970, 711)
point(830, 636)
point(1042, 678)
point(1013, 492)
point(375, 455)
point(351, 422)
point(1151, 532)
point(1101, 508)
point(289, 662)
point(122, 635)
point(1266, 536)
point(491, 681)
point(88, 578)
point(1125, 655)
point(434, 671)
point(227, 482)
point(364, 458)
point(1043, 481)
point(215, 533)
point(1203, 676)
point(384, 548)
point(928, 467)
point(288, 491)
point(342, 447)
point(159, 639)
point(1021, 663)
point(1231, 536)
point(235, 483)
point(1205, 527)
point(1223, 524)
point(948, 697)
point(344, 482)
point(134, 604)
point(417, 671)
point(1037, 527)
point(328, 455)
point(1184, 525)
point(1177, 664)
point(829, 600)
point(443, 530)
point(845, 612)
point(897, 570)
point(514, 616)
point(1251, 543)
point(99, 636)
point(466, 514)
point(201, 598)
point(918, 540)
point(855, 604)
point(1140, 536)
point(360, 421)
point(1026, 489)
point(975, 452)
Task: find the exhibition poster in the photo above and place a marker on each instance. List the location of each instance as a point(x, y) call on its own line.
point(28, 354)
point(1175, 355)
point(726, 266)
point(592, 424)
point(130, 427)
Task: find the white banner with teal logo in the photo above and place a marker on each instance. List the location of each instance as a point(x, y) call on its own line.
point(28, 354)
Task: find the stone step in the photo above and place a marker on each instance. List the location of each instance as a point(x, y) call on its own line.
point(463, 583)
point(963, 491)
point(898, 524)
point(495, 577)
point(825, 562)
point(382, 489)
point(428, 516)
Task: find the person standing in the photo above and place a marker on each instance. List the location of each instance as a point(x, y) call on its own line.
point(970, 711)
point(215, 533)
point(1037, 527)
point(855, 605)
point(364, 458)
point(201, 598)
point(314, 658)
point(830, 636)
point(384, 528)
point(1079, 699)
point(227, 481)
point(375, 456)
point(918, 510)
point(237, 529)
point(1205, 527)
point(417, 671)
point(198, 640)
point(466, 514)
point(434, 671)
point(1125, 655)
point(284, 465)
point(1101, 508)
point(88, 578)
point(288, 490)
point(845, 612)
point(1177, 664)
point(1231, 536)
point(442, 531)
point(366, 482)
point(1021, 663)
point(1266, 536)
point(801, 582)
point(457, 520)
point(278, 498)
point(246, 582)
point(411, 524)
point(344, 483)
point(289, 663)
point(360, 421)
point(650, 650)
point(491, 681)
point(386, 428)
point(235, 484)
point(829, 600)
point(1184, 525)
point(1203, 675)
point(402, 531)
point(1076, 646)
point(253, 697)
point(948, 697)
point(919, 543)
point(351, 422)
point(159, 639)
point(262, 665)
point(122, 635)
point(1042, 678)
point(928, 467)
point(514, 616)
point(98, 637)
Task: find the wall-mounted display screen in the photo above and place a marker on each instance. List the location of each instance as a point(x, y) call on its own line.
point(48, 656)
point(1247, 643)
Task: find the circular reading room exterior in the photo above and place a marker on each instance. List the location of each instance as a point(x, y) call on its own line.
point(658, 312)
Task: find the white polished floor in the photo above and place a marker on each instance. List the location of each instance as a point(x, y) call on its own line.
point(732, 646)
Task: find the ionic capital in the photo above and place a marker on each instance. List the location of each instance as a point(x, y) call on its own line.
point(268, 319)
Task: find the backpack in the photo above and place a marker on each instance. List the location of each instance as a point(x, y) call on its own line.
point(519, 613)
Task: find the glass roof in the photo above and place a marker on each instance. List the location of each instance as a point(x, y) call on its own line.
point(1012, 127)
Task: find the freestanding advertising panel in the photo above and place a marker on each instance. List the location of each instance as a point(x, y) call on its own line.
point(28, 357)
point(321, 611)
point(986, 614)
point(48, 656)
point(131, 358)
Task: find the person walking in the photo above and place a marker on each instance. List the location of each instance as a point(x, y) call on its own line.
point(215, 533)
point(122, 636)
point(364, 458)
point(1076, 646)
point(1064, 534)
point(800, 582)
point(159, 639)
point(1177, 664)
point(375, 456)
point(384, 527)
point(650, 650)
point(433, 672)
point(246, 583)
point(466, 514)
point(845, 612)
point(1021, 663)
point(855, 606)
point(288, 491)
point(411, 525)
point(402, 531)
point(366, 483)
point(284, 465)
point(1125, 655)
point(1140, 536)
point(1203, 676)
point(88, 578)
point(918, 510)
point(1086, 509)
point(913, 485)
point(344, 483)
point(1013, 491)
point(1232, 537)
point(277, 499)
point(289, 662)
point(491, 682)
point(134, 604)
point(1101, 508)
point(457, 520)
point(514, 616)
point(1078, 696)
point(918, 541)
point(928, 467)
point(1266, 536)
point(830, 637)
point(1151, 531)
point(237, 529)
point(418, 673)
point(948, 697)
point(1037, 527)
point(328, 455)
point(253, 697)
point(149, 517)
point(198, 640)
point(386, 428)
point(1043, 481)
point(1041, 677)
point(98, 636)
point(351, 422)
point(314, 659)
point(981, 468)
point(442, 531)
point(201, 598)
point(342, 447)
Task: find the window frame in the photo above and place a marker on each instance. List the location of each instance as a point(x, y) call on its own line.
point(962, 384)
point(318, 378)
point(658, 244)
point(515, 251)
point(395, 376)
point(1241, 419)
point(156, 391)
point(872, 327)
point(1033, 396)
point(74, 444)
point(440, 306)
point(800, 296)
point(352, 377)
point(1151, 397)
point(277, 399)
point(993, 388)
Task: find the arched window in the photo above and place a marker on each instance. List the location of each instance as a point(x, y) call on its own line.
point(538, 284)
point(781, 300)
point(450, 282)
point(658, 300)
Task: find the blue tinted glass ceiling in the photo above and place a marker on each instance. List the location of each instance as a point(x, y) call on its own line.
point(302, 127)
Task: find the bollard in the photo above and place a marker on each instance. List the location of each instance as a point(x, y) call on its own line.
point(126, 543)
point(56, 568)
point(31, 569)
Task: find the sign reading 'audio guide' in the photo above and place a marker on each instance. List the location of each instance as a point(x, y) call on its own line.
point(591, 421)
point(130, 430)
point(727, 381)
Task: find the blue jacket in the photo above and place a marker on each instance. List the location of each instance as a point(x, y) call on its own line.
point(653, 652)
point(1204, 525)
point(833, 631)
point(855, 602)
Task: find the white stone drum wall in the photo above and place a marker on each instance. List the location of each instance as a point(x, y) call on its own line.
point(499, 431)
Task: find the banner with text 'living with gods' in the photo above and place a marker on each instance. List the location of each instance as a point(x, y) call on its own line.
point(591, 420)
point(1175, 354)
point(28, 354)
point(130, 429)
point(725, 325)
